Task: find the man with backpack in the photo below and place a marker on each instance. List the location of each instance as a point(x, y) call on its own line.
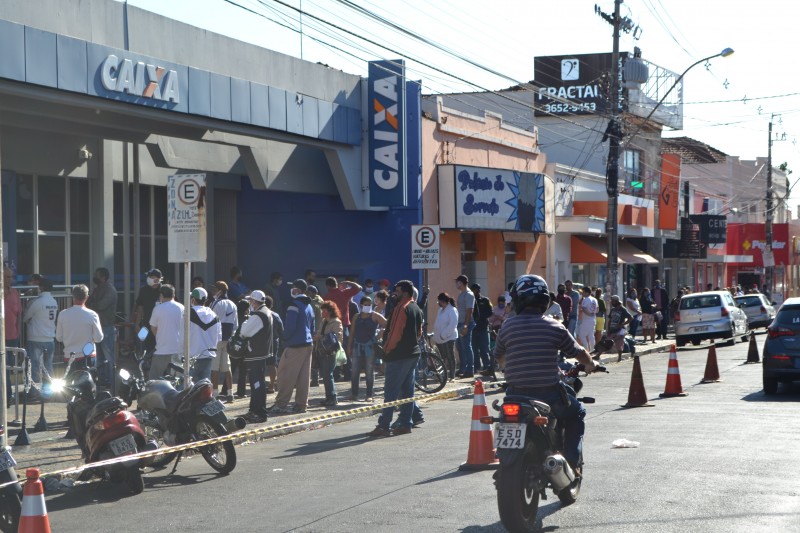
point(205, 334)
point(480, 335)
point(257, 329)
point(226, 311)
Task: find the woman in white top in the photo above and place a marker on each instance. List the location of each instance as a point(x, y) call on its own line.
point(635, 309)
point(587, 313)
point(445, 331)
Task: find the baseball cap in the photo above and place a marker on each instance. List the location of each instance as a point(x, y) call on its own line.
point(463, 279)
point(154, 273)
point(200, 294)
point(300, 284)
point(257, 296)
point(615, 298)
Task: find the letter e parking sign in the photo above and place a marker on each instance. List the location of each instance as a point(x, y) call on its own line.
point(425, 247)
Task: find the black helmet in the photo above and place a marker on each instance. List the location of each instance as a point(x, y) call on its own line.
point(530, 290)
point(83, 383)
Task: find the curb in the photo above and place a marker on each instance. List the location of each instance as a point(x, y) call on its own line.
point(610, 358)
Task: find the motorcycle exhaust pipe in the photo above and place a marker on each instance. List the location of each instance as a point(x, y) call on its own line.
point(558, 470)
point(235, 424)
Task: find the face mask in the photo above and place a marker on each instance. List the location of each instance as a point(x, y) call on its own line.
point(560, 291)
point(501, 305)
point(366, 308)
point(96, 280)
point(152, 282)
point(368, 290)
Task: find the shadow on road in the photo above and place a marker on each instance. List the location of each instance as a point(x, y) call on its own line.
point(327, 445)
point(786, 393)
point(544, 512)
point(450, 474)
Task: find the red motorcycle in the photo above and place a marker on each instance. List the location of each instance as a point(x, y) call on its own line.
point(104, 430)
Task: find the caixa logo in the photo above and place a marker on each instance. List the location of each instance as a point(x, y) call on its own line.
point(140, 79)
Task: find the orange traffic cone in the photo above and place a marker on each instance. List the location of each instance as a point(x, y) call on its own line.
point(481, 454)
point(752, 352)
point(674, 387)
point(712, 370)
point(34, 514)
point(637, 397)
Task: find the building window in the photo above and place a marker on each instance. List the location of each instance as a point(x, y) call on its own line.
point(633, 172)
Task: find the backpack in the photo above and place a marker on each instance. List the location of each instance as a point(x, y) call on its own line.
point(237, 346)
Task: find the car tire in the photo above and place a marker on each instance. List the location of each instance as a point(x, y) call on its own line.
point(770, 385)
point(680, 342)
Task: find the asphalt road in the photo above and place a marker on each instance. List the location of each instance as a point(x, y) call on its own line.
point(720, 459)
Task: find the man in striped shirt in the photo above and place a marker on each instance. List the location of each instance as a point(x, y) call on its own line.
point(528, 347)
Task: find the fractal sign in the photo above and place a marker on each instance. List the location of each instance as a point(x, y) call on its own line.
point(139, 79)
point(387, 133)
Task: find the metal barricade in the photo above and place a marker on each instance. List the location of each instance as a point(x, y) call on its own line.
point(20, 354)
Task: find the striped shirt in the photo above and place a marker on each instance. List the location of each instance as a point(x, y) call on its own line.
point(530, 344)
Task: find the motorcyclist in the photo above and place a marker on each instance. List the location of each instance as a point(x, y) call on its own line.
point(528, 348)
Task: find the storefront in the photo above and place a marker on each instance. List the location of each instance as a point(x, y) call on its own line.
point(748, 241)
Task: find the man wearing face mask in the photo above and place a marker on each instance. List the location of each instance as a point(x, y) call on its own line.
point(146, 301)
point(205, 334)
point(226, 311)
point(258, 328)
point(103, 301)
point(274, 290)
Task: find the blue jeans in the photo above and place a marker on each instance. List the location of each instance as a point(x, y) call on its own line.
point(465, 353)
point(201, 368)
point(256, 371)
point(573, 323)
point(571, 416)
point(398, 384)
point(363, 357)
point(41, 356)
point(105, 355)
point(480, 347)
point(327, 364)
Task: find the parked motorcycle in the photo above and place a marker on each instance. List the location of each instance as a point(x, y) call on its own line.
point(529, 442)
point(103, 428)
point(10, 495)
point(175, 417)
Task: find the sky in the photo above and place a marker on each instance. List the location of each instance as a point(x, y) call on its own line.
point(728, 102)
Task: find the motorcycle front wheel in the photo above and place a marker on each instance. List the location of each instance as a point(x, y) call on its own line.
point(221, 456)
point(153, 431)
point(517, 492)
point(10, 509)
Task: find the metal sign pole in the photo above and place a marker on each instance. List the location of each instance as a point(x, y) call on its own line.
point(187, 306)
point(3, 384)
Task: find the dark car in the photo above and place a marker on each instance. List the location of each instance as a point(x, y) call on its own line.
point(782, 347)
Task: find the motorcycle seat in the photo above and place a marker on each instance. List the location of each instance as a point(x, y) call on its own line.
point(105, 406)
point(173, 397)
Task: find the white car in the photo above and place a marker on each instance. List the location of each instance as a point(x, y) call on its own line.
point(709, 315)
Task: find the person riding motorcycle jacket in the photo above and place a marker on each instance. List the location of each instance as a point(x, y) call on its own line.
point(528, 347)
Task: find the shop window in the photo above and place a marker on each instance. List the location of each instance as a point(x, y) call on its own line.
point(633, 172)
point(24, 203)
point(52, 251)
point(160, 210)
point(24, 257)
point(52, 209)
point(79, 203)
point(79, 258)
point(579, 274)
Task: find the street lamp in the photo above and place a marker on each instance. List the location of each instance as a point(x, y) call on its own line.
point(612, 169)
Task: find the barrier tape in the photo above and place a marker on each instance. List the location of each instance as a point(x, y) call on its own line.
point(243, 434)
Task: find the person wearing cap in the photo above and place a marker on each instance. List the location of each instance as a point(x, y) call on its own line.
point(618, 318)
point(226, 311)
point(258, 329)
point(103, 301)
point(465, 305)
point(166, 325)
point(40, 318)
point(480, 335)
point(77, 326)
point(205, 333)
point(294, 370)
point(147, 299)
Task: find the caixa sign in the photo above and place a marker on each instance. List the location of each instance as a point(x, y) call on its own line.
point(387, 133)
point(139, 79)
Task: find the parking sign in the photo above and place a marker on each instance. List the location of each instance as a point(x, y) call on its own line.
point(425, 247)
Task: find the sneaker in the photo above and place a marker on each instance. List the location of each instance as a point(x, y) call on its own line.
point(279, 410)
point(414, 424)
point(401, 430)
point(228, 398)
point(379, 432)
point(254, 418)
point(330, 402)
point(299, 409)
point(369, 399)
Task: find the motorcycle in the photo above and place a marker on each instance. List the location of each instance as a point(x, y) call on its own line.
point(103, 428)
point(175, 417)
point(10, 495)
point(529, 442)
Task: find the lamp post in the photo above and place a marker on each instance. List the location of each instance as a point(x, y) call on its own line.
point(612, 169)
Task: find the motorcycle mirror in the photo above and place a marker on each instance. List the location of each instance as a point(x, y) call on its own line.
point(143, 333)
point(124, 374)
point(88, 349)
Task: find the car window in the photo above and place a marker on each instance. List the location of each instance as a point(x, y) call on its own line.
point(749, 301)
point(729, 300)
point(789, 316)
point(700, 302)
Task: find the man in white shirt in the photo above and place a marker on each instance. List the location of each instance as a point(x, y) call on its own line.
point(166, 323)
point(205, 333)
point(40, 318)
point(226, 311)
point(587, 319)
point(77, 326)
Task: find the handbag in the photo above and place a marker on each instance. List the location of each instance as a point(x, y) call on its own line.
point(330, 343)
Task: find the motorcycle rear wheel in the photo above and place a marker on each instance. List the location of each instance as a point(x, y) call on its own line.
point(222, 456)
point(517, 494)
point(134, 480)
point(10, 510)
point(153, 431)
point(569, 495)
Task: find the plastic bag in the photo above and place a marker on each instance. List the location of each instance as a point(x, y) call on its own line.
point(341, 357)
point(624, 443)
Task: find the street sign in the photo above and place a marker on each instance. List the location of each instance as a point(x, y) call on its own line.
point(425, 247)
point(186, 208)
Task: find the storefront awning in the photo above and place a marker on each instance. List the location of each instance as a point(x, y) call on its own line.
point(594, 250)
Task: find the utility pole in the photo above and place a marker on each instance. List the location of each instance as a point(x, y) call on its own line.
point(613, 134)
point(768, 270)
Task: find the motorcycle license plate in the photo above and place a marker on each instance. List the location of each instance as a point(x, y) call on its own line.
point(123, 446)
point(6, 460)
point(213, 408)
point(509, 435)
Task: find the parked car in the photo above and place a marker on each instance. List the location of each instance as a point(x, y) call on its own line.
point(758, 309)
point(709, 315)
point(782, 348)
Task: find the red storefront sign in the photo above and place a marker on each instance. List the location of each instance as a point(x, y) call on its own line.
point(750, 239)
